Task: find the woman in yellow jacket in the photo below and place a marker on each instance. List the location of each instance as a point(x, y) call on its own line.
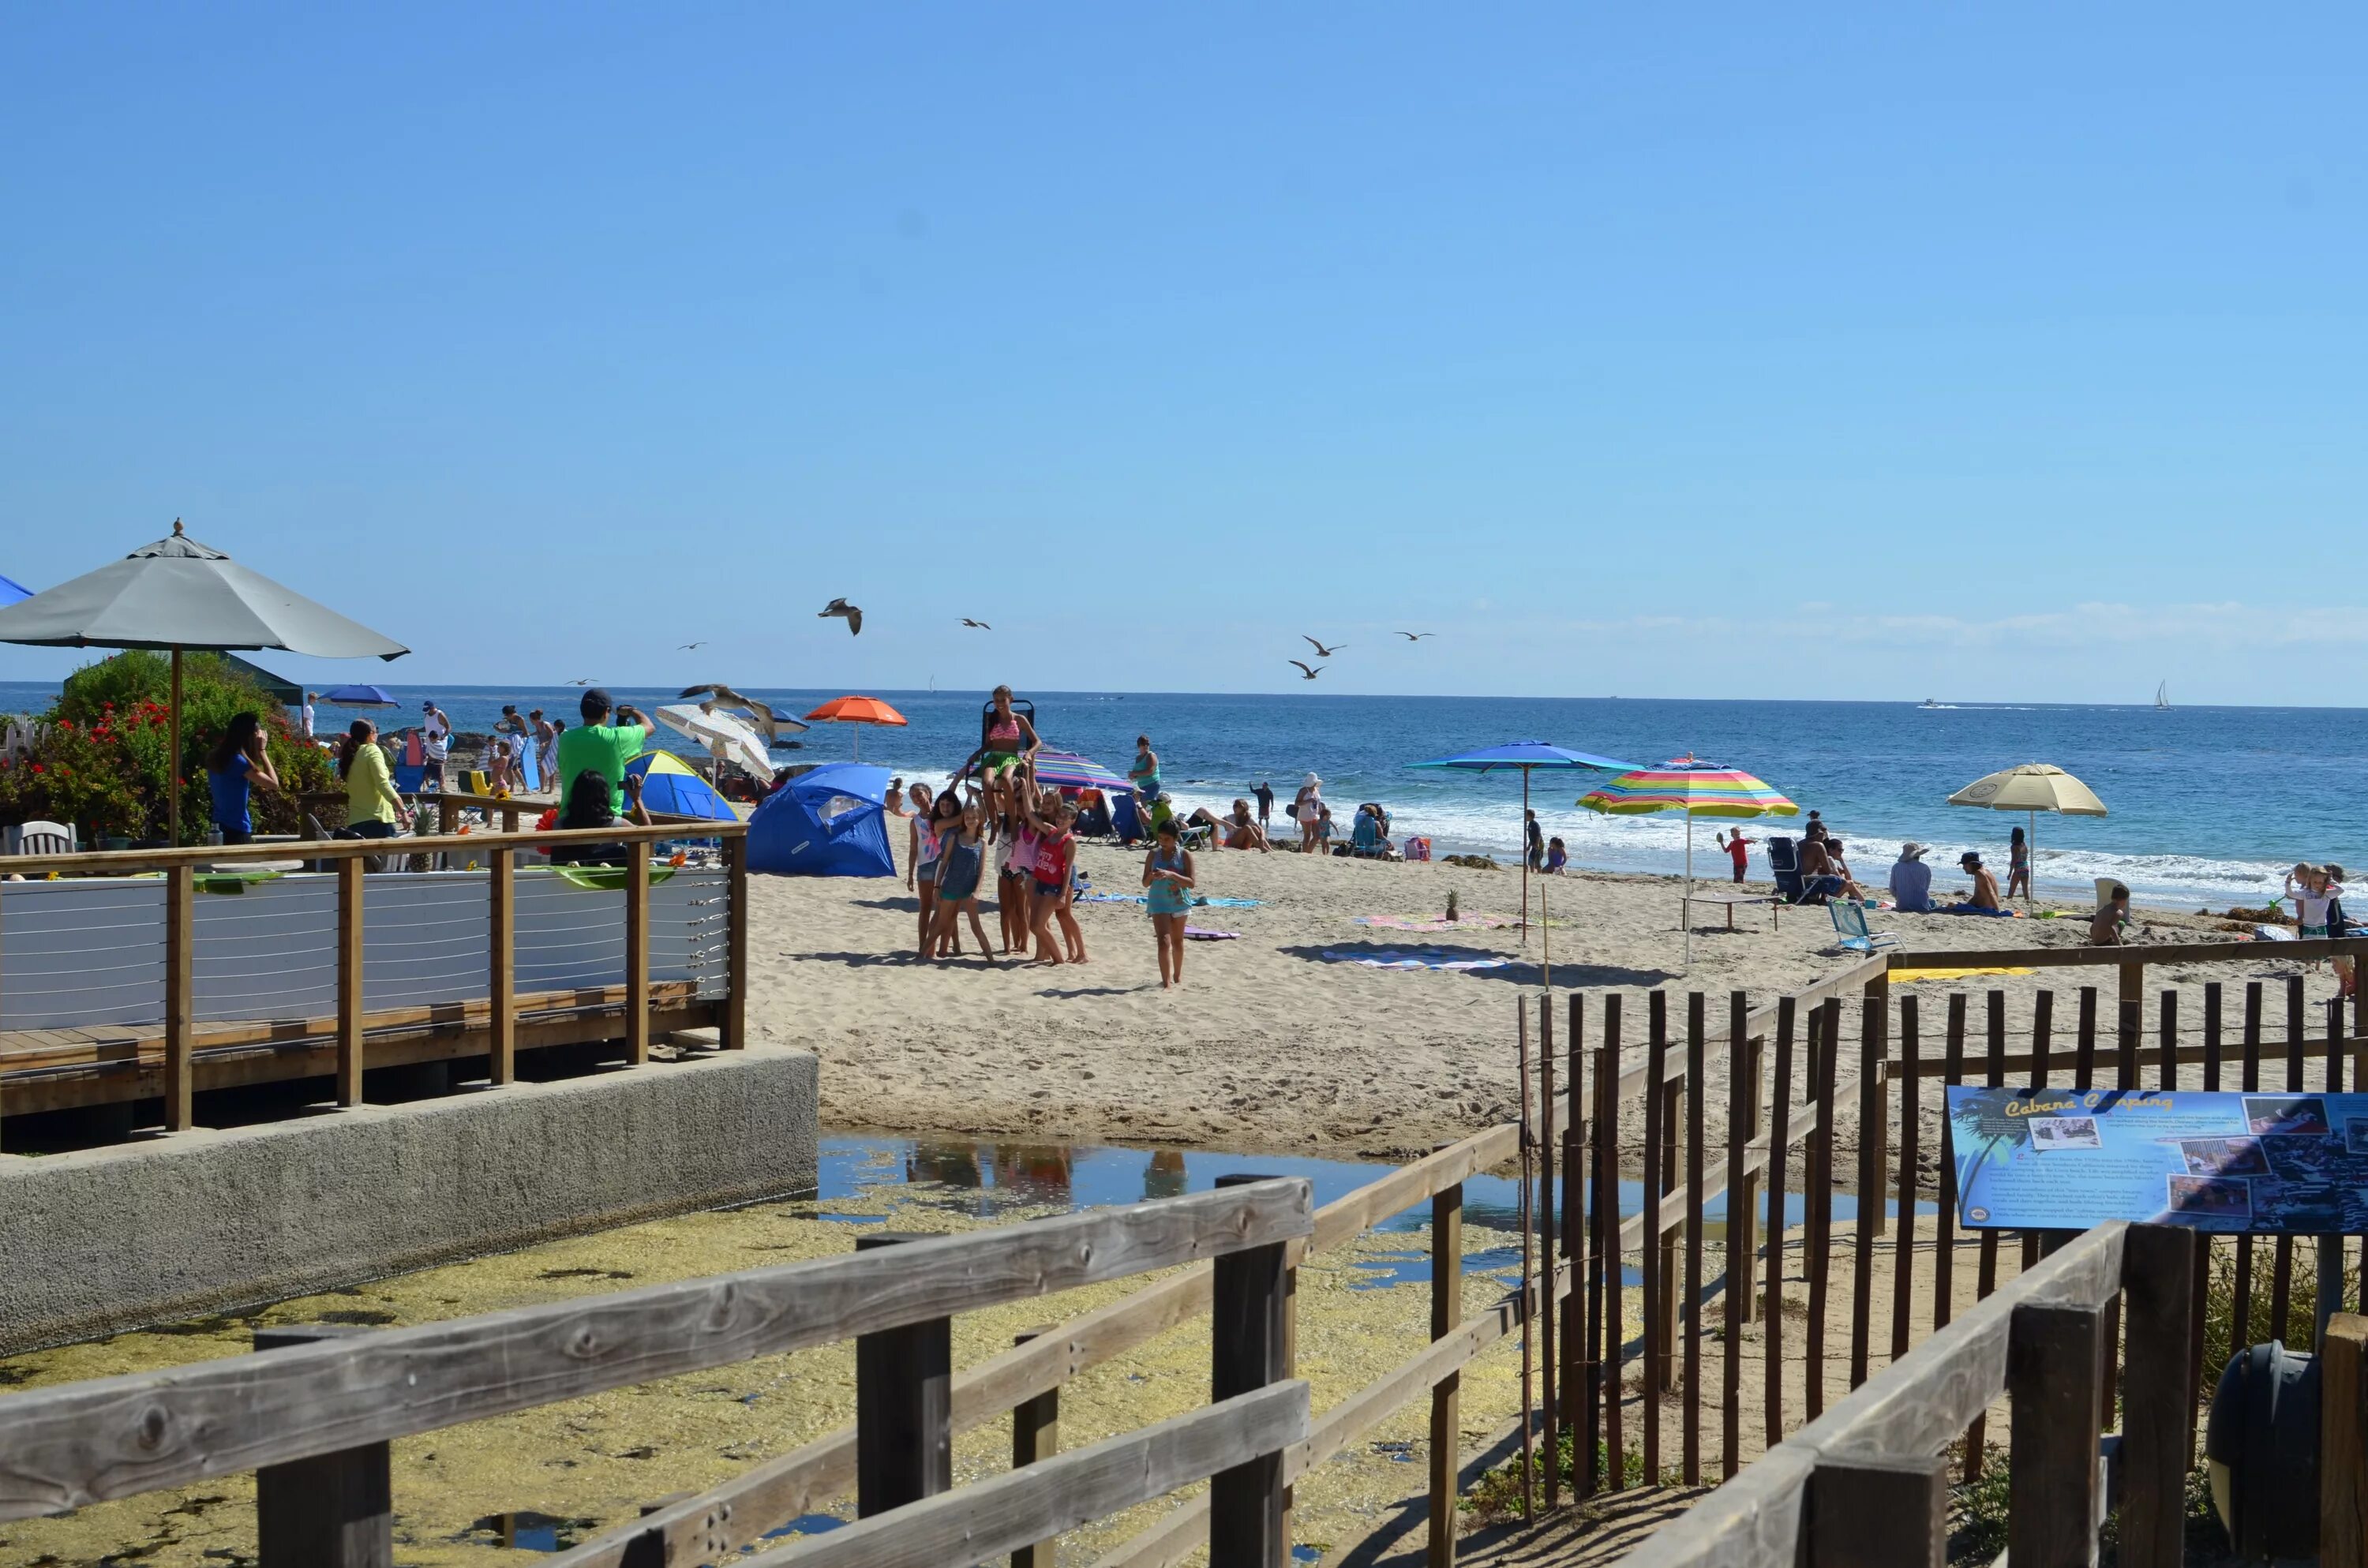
point(373, 809)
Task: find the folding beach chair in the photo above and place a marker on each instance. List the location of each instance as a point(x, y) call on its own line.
point(1850, 927)
point(1784, 865)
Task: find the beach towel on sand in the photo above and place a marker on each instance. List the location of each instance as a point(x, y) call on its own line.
point(1194, 934)
point(1138, 898)
point(1905, 975)
point(1411, 958)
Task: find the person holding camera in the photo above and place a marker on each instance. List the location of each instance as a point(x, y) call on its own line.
point(609, 738)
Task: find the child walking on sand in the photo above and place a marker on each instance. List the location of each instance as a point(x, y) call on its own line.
point(1167, 880)
point(2018, 864)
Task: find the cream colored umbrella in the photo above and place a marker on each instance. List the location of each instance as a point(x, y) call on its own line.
point(2032, 788)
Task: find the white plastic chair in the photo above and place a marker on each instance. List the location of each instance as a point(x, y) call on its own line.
point(41, 838)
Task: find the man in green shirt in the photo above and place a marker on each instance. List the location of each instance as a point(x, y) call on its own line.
point(600, 745)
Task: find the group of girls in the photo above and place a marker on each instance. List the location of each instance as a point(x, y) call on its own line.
point(1033, 834)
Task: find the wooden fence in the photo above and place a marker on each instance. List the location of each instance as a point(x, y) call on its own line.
point(314, 1419)
point(1850, 1058)
point(48, 1068)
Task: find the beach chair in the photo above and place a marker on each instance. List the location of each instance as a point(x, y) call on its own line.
point(1126, 821)
point(41, 838)
point(1850, 927)
point(1784, 865)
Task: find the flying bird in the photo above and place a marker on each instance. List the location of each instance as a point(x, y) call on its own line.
point(1305, 673)
point(851, 614)
point(1416, 636)
point(1321, 651)
point(686, 647)
point(579, 683)
point(760, 713)
point(980, 624)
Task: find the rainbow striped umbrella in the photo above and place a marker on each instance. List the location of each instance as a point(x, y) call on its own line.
point(1699, 790)
point(1067, 770)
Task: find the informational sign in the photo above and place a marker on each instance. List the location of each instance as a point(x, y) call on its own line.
point(2068, 1159)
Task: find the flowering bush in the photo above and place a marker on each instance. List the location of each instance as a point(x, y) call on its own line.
point(103, 760)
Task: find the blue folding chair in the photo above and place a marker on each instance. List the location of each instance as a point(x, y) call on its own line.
point(1849, 927)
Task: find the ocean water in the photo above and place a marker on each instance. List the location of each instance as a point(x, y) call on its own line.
point(2208, 804)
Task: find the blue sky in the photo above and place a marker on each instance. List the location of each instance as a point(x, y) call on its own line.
point(1736, 351)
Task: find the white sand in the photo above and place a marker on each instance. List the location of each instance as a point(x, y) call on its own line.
point(1267, 1047)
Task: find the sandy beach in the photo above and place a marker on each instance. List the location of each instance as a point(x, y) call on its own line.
point(1269, 1045)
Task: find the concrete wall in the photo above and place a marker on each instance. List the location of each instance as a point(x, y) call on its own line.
point(110, 1239)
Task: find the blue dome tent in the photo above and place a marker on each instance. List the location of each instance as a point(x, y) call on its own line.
point(829, 822)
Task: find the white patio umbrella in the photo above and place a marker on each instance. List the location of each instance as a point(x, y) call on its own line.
point(176, 595)
point(2032, 788)
point(740, 743)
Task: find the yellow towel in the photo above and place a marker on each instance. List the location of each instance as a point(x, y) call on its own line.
point(1908, 974)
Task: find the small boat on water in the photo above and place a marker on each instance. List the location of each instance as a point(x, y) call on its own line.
point(2162, 698)
point(1930, 702)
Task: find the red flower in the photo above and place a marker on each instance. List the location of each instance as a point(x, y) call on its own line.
point(38, 768)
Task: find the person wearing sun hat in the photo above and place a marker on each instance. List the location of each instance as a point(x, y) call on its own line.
point(1307, 810)
point(1911, 880)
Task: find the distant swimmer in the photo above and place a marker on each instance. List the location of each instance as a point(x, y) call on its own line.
point(1416, 636)
point(1321, 651)
point(1304, 672)
point(844, 611)
point(979, 624)
point(719, 694)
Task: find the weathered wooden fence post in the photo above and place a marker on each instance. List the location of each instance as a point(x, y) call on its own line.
point(1879, 1513)
point(734, 1031)
point(1035, 1437)
point(352, 1053)
point(501, 958)
point(637, 953)
point(180, 997)
point(330, 1511)
point(1249, 1329)
point(1446, 1401)
point(2053, 1363)
point(903, 1407)
point(2158, 1433)
point(2343, 1443)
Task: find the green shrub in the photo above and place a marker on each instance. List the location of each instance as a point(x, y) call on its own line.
point(104, 760)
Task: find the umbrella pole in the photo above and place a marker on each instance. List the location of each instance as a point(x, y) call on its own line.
point(1525, 857)
point(173, 761)
point(2031, 880)
point(1686, 909)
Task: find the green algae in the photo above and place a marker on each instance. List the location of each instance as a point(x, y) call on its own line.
point(588, 1463)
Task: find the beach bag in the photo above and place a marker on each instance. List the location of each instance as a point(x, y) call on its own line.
point(1418, 848)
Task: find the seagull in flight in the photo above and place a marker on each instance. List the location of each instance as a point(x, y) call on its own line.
point(1321, 651)
point(1416, 636)
point(686, 647)
point(762, 714)
point(1306, 673)
point(851, 614)
point(980, 624)
point(579, 683)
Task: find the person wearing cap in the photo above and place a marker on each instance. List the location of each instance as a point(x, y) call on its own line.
point(435, 739)
point(597, 745)
point(1911, 881)
point(1984, 897)
point(1307, 810)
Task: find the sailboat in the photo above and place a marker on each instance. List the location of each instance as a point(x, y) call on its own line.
point(2162, 698)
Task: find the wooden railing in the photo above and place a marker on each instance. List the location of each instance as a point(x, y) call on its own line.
point(497, 853)
point(1867, 1485)
point(314, 1419)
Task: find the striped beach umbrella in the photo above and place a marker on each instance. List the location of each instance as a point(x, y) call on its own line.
point(1067, 770)
point(1696, 787)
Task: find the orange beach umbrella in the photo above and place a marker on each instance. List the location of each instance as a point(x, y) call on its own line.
point(855, 710)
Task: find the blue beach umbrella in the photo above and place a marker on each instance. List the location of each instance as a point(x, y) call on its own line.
point(670, 786)
point(11, 591)
point(1527, 756)
point(358, 696)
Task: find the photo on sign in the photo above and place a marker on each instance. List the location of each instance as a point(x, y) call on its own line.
point(2355, 1135)
point(2220, 1198)
point(2224, 1156)
point(2065, 1132)
point(2293, 1116)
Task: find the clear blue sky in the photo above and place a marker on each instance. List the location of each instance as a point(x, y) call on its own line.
point(2001, 352)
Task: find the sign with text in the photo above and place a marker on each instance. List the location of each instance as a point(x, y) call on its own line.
point(2067, 1159)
